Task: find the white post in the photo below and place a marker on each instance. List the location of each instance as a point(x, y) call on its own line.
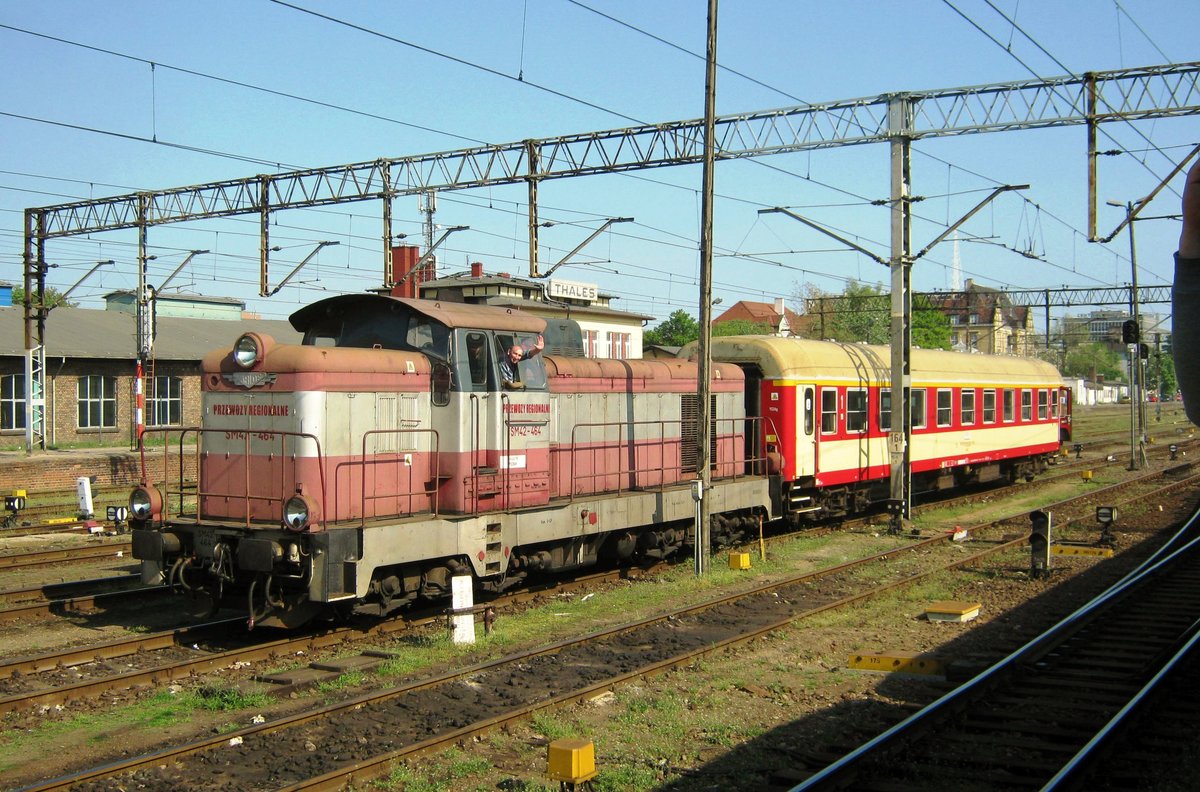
point(83, 489)
point(462, 623)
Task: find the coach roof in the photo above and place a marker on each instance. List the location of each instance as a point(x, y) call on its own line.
point(803, 359)
point(448, 313)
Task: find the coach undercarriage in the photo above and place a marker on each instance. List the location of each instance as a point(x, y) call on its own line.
point(805, 501)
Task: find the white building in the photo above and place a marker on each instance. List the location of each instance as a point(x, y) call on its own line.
point(607, 332)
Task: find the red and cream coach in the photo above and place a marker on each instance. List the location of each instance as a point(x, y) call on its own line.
point(827, 411)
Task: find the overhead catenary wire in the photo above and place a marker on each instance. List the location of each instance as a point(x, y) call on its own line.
point(510, 236)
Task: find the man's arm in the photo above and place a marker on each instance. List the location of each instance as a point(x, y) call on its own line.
point(538, 346)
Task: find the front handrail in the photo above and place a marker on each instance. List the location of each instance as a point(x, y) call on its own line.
point(247, 435)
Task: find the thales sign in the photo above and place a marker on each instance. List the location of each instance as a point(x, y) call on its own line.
point(573, 290)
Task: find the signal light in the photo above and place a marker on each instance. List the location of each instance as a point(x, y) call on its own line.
point(1129, 332)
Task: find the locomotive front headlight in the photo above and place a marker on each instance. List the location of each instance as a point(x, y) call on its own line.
point(297, 513)
point(145, 503)
point(247, 351)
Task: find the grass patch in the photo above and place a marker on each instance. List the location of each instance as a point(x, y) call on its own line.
point(342, 681)
point(161, 711)
point(553, 726)
point(446, 772)
point(224, 698)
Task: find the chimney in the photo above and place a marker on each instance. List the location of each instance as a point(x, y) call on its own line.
point(779, 306)
point(476, 269)
point(404, 257)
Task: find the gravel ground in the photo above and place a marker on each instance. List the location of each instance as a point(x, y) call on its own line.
point(756, 718)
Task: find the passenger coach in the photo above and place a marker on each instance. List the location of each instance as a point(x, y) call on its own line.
point(827, 411)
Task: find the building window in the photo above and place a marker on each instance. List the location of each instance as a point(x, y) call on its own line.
point(885, 410)
point(97, 402)
point(12, 401)
point(164, 401)
point(967, 406)
point(856, 410)
point(1010, 405)
point(829, 410)
point(945, 407)
point(591, 343)
point(1026, 405)
point(618, 345)
point(917, 408)
point(989, 406)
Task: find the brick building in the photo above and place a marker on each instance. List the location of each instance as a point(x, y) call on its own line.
point(90, 366)
point(781, 319)
point(985, 320)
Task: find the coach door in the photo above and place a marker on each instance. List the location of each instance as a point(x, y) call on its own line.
point(806, 427)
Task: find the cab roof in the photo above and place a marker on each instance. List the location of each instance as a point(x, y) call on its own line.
point(450, 314)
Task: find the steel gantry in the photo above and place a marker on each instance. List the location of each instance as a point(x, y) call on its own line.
point(1094, 98)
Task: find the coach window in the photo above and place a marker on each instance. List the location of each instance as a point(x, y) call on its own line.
point(1026, 405)
point(1010, 405)
point(1043, 404)
point(885, 410)
point(829, 410)
point(966, 406)
point(989, 406)
point(917, 408)
point(96, 399)
point(808, 411)
point(945, 407)
point(856, 410)
point(1050, 395)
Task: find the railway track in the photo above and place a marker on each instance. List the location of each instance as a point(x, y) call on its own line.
point(53, 592)
point(366, 734)
point(83, 603)
point(66, 555)
point(1060, 712)
point(178, 653)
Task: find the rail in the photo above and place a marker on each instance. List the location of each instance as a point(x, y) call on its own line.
point(1184, 542)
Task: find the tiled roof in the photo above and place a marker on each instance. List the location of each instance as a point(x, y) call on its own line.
point(91, 333)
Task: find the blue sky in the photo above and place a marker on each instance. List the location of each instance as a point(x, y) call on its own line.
point(66, 107)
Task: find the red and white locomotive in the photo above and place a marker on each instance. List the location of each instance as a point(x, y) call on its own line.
point(385, 454)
